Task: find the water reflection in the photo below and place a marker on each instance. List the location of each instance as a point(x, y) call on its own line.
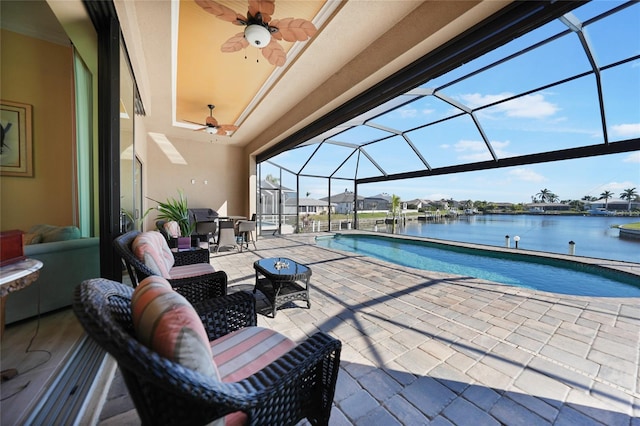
point(593, 236)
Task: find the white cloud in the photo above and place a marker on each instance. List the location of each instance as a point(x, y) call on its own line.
point(529, 106)
point(634, 157)
point(527, 175)
point(617, 187)
point(478, 151)
point(464, 145)
point(408, 113)
point(412, 112)
point(474, 100)
point(627, 130)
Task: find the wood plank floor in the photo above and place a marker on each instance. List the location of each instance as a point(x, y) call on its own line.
point(37, 348)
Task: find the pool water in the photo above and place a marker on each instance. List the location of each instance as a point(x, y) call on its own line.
point(552, 275)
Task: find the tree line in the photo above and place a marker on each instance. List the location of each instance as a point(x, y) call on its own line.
point(547, 196)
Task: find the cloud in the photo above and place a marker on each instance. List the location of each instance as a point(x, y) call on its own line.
point(478, 151)
point(627, 130)
point(616, 187)
point(634, 157)
point(408, 113)
point(412, 112)
point(529, 106)
point(527, 175)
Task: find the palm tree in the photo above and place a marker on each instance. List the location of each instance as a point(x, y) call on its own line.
point(630, 195)
point(544, 194)
point(272, 179)
point(395, 210)
point(606, 195)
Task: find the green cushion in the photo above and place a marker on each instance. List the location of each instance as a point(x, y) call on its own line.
point(52, 233)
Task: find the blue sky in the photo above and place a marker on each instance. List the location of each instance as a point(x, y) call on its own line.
point(519, 107)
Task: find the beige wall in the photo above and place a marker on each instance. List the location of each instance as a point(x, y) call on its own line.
point(222, 166)
point(40, 73)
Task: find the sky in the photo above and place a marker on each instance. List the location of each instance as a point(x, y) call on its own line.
point(524, 105)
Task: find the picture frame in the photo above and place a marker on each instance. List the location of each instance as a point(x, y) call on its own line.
point(16, 150)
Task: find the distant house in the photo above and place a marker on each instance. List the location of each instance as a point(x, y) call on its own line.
point(547, 207)
point(343, 202)
point(269, 192)
point(378, 202)
point(501, 206)
point(309, 206)
point(418, 203)
point(614, 204)
point(444, 204)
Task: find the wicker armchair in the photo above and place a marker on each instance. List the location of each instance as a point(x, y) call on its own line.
point(196, 287)
point(299, 384)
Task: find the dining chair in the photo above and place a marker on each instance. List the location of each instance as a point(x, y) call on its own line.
point(226, 236)
point(246, 228)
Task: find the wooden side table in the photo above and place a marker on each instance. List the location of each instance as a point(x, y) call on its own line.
point(14, 277)
point(284, 280)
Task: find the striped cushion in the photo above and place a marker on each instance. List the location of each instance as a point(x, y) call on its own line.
point(172, 229)
point(152, 249)
point(192, 270)
point(244, 352)
point(166, 322)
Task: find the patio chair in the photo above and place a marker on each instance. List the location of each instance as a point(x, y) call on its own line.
point(226, 235)
point(189, 272)
point(246, 228)
point(277, 386)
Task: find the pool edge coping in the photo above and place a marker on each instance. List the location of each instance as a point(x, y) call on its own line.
point(631, 268)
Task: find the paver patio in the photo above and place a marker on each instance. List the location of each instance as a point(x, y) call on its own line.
point(422, 347)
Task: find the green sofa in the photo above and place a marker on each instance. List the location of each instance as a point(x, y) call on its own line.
point(66, 264)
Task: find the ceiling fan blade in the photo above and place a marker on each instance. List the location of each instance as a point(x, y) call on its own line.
point(274, 53)
point(235, 43)
point(211, 122)
point(200, 129)
point(293, 29)
point(219, 11)
point(228, 127)
point(264, 7)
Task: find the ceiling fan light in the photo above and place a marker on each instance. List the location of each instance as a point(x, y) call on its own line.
point(211, 130)
point(257, 35)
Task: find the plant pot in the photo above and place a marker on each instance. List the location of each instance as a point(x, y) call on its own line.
point(184, 243)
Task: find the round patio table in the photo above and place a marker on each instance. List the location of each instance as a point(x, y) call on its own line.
point(14, 277)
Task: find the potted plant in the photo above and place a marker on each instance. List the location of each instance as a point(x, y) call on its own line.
point(177, 210)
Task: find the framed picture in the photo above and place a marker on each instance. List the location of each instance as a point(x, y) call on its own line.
point(16, 152)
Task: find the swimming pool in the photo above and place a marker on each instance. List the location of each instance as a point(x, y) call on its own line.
point(553, 275)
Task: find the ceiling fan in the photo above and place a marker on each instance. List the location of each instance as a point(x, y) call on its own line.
point(261, 31)
point(211, 125)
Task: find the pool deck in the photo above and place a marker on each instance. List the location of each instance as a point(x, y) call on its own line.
point(423, 347)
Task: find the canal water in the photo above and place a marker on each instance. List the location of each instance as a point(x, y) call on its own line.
point(593, 236)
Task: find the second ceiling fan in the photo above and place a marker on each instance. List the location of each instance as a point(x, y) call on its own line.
point(211, 125)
